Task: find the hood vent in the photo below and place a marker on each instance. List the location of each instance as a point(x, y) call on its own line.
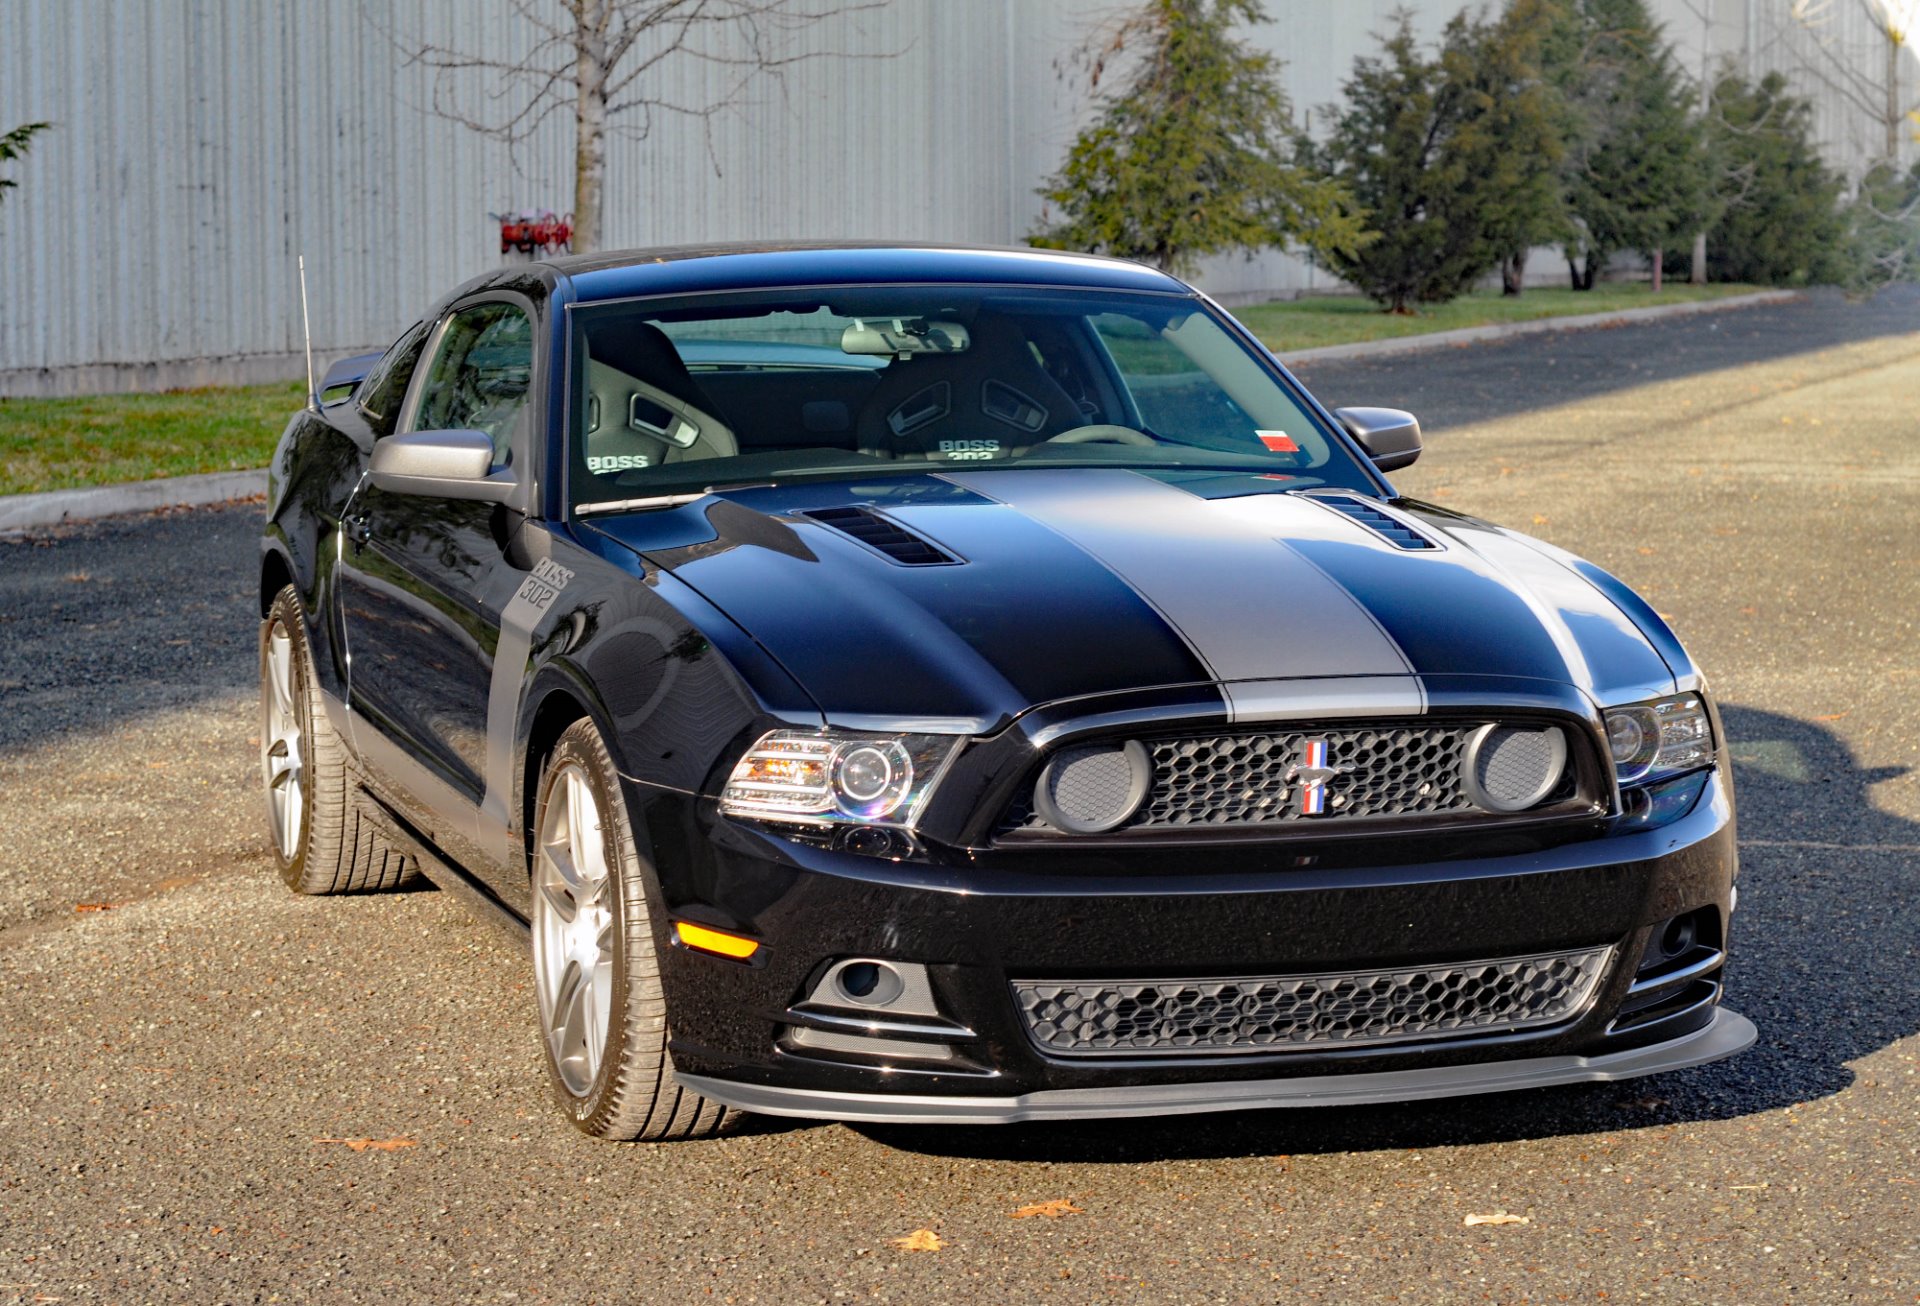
point(1384, 524)
point(884, 536)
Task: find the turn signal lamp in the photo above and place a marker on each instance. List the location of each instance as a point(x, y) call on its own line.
point(715, 941)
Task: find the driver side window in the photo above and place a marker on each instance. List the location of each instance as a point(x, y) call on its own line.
point(479, 376)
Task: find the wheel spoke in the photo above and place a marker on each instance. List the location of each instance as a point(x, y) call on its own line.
point(558, 900)
point(280, 666)
point(572, 1027)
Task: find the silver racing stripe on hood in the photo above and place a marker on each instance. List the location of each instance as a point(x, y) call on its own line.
point(1279, 634)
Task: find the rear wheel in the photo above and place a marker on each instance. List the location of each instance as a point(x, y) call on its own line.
point(603, 1016)
point(322, 842)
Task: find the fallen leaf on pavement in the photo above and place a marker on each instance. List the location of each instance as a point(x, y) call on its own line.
point(93, 906)
point(375, 1144)
point(920, 1240)
point(1498, 1217)
point(1053, 1210)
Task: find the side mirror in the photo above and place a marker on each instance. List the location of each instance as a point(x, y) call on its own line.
point(1390, 436)
point(444, 464)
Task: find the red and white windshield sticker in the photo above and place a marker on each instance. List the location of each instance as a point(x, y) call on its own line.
point(1278, 442)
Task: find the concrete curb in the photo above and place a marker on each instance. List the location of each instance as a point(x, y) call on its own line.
point(21, 511)
point(1507, 330)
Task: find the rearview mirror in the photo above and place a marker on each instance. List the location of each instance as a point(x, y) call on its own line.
point(444, 464)
point(1390, 436)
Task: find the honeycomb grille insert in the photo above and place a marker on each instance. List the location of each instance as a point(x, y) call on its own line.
point(1110, 1018)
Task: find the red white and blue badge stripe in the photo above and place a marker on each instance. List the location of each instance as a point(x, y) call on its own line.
point(1313, 792)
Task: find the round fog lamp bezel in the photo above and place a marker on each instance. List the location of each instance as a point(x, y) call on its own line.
point(1140, 782)
point(1470, 757)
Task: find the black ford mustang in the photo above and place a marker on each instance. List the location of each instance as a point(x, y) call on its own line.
point(956, 685)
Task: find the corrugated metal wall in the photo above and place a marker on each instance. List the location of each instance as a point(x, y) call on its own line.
point(200, 144)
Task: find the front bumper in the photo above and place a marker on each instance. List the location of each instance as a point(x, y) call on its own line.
point(1727, 1033)
point(979, 920)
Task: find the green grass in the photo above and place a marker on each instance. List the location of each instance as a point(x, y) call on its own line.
point(1308, 323)
point(58, 444)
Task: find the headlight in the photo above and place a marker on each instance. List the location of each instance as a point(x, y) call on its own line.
point(836, 776)
point(1661, 738)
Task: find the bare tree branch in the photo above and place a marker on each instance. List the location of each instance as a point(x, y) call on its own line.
point(604, 60)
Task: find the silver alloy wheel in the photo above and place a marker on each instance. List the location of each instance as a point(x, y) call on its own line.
point(285, 767)
point(573, 929)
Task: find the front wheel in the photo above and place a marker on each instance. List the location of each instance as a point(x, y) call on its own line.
point(603, 1016)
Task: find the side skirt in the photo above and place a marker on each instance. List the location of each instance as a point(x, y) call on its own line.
point(445, 874)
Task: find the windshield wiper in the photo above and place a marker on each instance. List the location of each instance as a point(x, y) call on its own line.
point(652, 502)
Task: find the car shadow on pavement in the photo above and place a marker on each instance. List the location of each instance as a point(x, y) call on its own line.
point(1816, 940)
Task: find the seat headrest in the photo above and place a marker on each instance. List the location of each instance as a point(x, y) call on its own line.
point(642, 350)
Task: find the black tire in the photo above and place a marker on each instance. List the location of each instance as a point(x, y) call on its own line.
point(632, 1095)
point(334, 848)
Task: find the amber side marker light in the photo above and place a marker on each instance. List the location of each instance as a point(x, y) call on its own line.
point(727, 945)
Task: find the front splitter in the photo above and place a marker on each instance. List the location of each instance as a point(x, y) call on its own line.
point(1726, 1034)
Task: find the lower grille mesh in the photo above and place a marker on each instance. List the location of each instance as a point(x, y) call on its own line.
point(1248, 1014)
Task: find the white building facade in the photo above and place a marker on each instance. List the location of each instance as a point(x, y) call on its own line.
point(200, 145)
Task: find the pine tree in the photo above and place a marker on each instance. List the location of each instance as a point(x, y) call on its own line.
point(1779, 221)
point(1883, 229)
point(1524, 119)
point(1451, 154)
point(14, 145)
point(1189, 157)
point(1634, 174)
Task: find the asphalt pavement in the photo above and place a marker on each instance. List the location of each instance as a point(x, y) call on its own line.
point(214, 1091)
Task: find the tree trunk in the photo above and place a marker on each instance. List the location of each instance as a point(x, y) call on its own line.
point(1895, 118)
point(590, 130)
point(1513, 273)
point(1659, 257)
point(1698, 274)
point(1573, 272)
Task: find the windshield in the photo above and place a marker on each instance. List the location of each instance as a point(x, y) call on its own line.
point(674, 395)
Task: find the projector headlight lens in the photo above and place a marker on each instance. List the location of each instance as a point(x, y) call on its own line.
point(1665, 737)
point(836, 776)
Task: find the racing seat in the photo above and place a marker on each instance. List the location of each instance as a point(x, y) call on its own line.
point(643, 406)
point(988, 401)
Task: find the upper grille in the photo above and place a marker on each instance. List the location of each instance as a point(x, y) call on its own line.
point(1257, 1013)
point(883, 535)
point(1382, 770)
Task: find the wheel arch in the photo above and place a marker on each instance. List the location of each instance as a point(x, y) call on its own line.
point(560, 696)
point(276, 573)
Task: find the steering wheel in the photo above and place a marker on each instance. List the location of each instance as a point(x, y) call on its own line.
point(1104, 433)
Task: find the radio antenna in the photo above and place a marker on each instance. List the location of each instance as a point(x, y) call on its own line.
point(306, 330)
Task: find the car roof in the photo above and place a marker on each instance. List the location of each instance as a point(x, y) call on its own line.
point(698, 269)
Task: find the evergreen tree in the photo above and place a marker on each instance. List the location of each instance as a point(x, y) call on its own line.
point(1883, 229)
point(1523, 118)
point(1189, 157)
point(1779, 221)
point(14, 145)
point(1634, 174)
point(1451, 154)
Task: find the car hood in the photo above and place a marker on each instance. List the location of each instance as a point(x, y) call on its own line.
point(959, 601)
